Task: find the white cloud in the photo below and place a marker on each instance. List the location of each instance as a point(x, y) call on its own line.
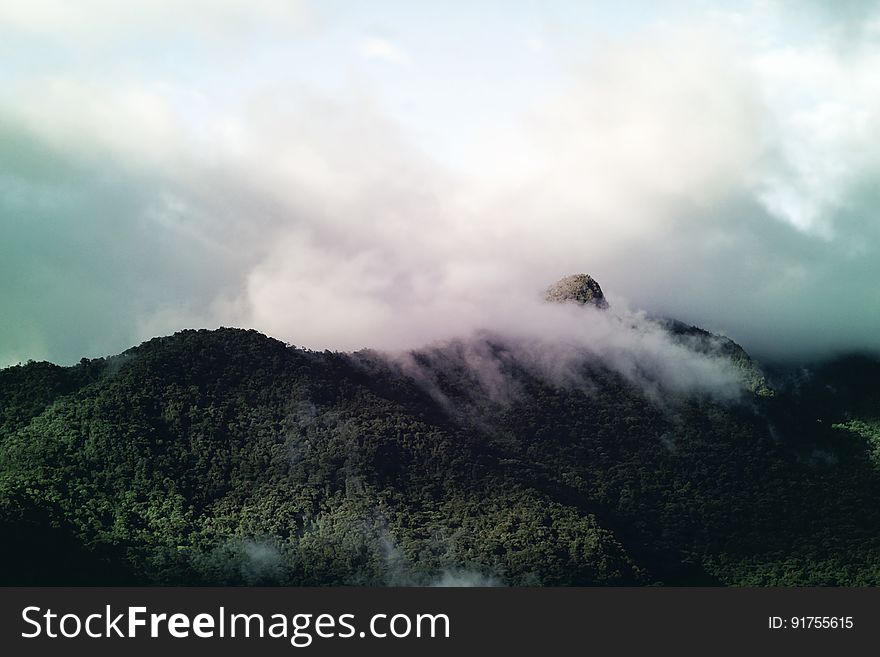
point(824, 109)
point(373, 47)
point(534, 44)
point(72, 22)
point(694, 170)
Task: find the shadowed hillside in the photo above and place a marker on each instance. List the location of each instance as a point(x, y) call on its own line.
point(226, 457)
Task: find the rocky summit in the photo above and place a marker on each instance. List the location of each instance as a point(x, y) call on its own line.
point(581, 288)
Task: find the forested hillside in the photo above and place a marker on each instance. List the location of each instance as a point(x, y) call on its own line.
point(226, 457)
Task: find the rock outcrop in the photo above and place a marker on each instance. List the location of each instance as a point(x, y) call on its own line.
point(580, 288)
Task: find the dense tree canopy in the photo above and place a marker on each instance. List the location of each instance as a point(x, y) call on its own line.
point(227, 457)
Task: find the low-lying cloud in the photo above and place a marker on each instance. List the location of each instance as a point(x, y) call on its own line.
point(559, 343)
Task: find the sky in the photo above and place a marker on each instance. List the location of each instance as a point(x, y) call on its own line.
point(389, 174)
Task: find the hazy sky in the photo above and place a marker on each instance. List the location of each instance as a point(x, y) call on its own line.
point(384, 174)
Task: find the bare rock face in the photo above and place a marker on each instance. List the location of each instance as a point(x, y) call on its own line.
point(580, 288)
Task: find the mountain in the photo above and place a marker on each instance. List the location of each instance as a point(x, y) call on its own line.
point(227, 457)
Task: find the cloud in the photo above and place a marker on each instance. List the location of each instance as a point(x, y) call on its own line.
point(843, 20)
point(825, 109)
point(90, 253)
point(556, 343)
point(89, 19)
point(717, 169)
point(373, 47)
point(464, 578)
point(534, 44)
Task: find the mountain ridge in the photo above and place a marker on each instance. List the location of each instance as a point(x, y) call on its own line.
point(227, 457)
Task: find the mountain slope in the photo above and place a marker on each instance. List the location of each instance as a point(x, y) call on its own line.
point(215, 457)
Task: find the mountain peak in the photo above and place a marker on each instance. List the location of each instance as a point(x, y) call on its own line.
point(581, 288)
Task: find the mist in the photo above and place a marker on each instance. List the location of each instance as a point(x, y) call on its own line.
point(712, 166)
point(558, 344)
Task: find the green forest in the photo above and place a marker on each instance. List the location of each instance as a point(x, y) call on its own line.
point(229, 458)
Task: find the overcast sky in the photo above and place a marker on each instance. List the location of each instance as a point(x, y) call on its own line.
point(386, 174)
